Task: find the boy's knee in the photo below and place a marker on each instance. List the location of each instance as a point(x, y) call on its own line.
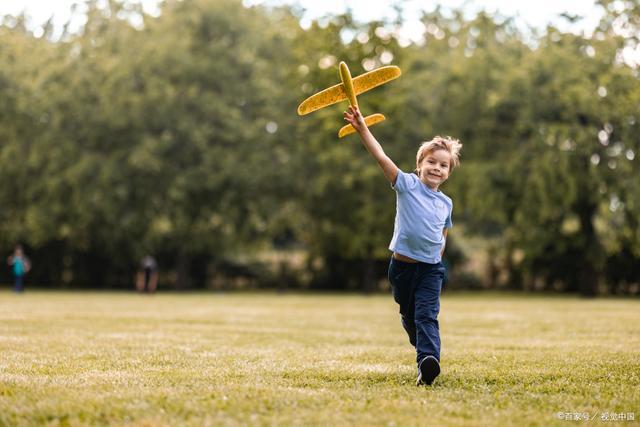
point(429, 316)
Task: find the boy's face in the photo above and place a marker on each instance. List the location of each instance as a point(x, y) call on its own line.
point(434, 168)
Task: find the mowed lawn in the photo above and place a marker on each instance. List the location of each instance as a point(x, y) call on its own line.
point(312, 359)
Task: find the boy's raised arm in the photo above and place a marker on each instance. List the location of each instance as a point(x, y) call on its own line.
point(390, 170)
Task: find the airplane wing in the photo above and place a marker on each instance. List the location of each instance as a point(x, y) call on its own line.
point(375, 78)
point(362, 83)
point(322, 99)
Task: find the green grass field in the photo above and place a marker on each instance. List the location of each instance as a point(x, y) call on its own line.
point(267, 359)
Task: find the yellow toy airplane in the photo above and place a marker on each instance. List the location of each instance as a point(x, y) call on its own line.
point(348, 89)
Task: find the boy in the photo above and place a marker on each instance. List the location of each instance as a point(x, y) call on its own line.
point(423, 217)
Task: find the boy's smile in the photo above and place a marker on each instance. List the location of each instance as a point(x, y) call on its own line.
point(434, 169)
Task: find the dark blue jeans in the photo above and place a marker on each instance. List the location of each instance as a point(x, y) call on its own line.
point(416, 288)
point(18, 285)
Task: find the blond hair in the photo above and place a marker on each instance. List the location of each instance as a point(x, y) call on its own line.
point(446, 143)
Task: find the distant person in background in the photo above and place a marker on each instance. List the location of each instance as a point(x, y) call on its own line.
point(20, 265)
point(147, 280)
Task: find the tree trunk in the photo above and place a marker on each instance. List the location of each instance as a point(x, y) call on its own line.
point(183, 281)
point(368, 274)
point(591, 271)
point(590, 274)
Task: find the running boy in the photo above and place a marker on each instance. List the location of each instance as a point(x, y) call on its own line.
point(423, 217)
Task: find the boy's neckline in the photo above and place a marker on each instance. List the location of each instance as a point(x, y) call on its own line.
point(426, 186)
point(437, 190)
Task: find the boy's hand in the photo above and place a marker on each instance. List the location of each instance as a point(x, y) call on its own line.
point(354, 118)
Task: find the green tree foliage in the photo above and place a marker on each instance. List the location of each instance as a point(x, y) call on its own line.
point(177, 135)
point(146, 140)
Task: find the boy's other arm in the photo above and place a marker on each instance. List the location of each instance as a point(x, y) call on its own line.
point(445, 232)
point(390, 170)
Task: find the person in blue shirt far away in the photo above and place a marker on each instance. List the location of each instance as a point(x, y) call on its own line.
point(20, 265)
point(423, 217)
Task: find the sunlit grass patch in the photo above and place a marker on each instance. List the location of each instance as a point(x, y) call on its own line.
point(235, 359)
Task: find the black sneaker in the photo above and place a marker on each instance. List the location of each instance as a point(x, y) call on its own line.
point(428, 370)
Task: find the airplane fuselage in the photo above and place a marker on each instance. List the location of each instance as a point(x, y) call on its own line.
point(345, 76)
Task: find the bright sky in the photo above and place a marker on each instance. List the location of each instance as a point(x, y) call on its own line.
point(533, 13)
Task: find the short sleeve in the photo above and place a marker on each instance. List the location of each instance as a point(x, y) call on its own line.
point(404, 182)
point(449, 223)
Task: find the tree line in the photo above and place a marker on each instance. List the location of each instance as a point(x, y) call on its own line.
point(177, 136)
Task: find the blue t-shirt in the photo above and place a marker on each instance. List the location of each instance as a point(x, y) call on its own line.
point(18, 266)
point(422, 214)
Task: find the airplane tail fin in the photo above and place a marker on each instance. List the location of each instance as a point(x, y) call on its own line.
point(369, 120)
